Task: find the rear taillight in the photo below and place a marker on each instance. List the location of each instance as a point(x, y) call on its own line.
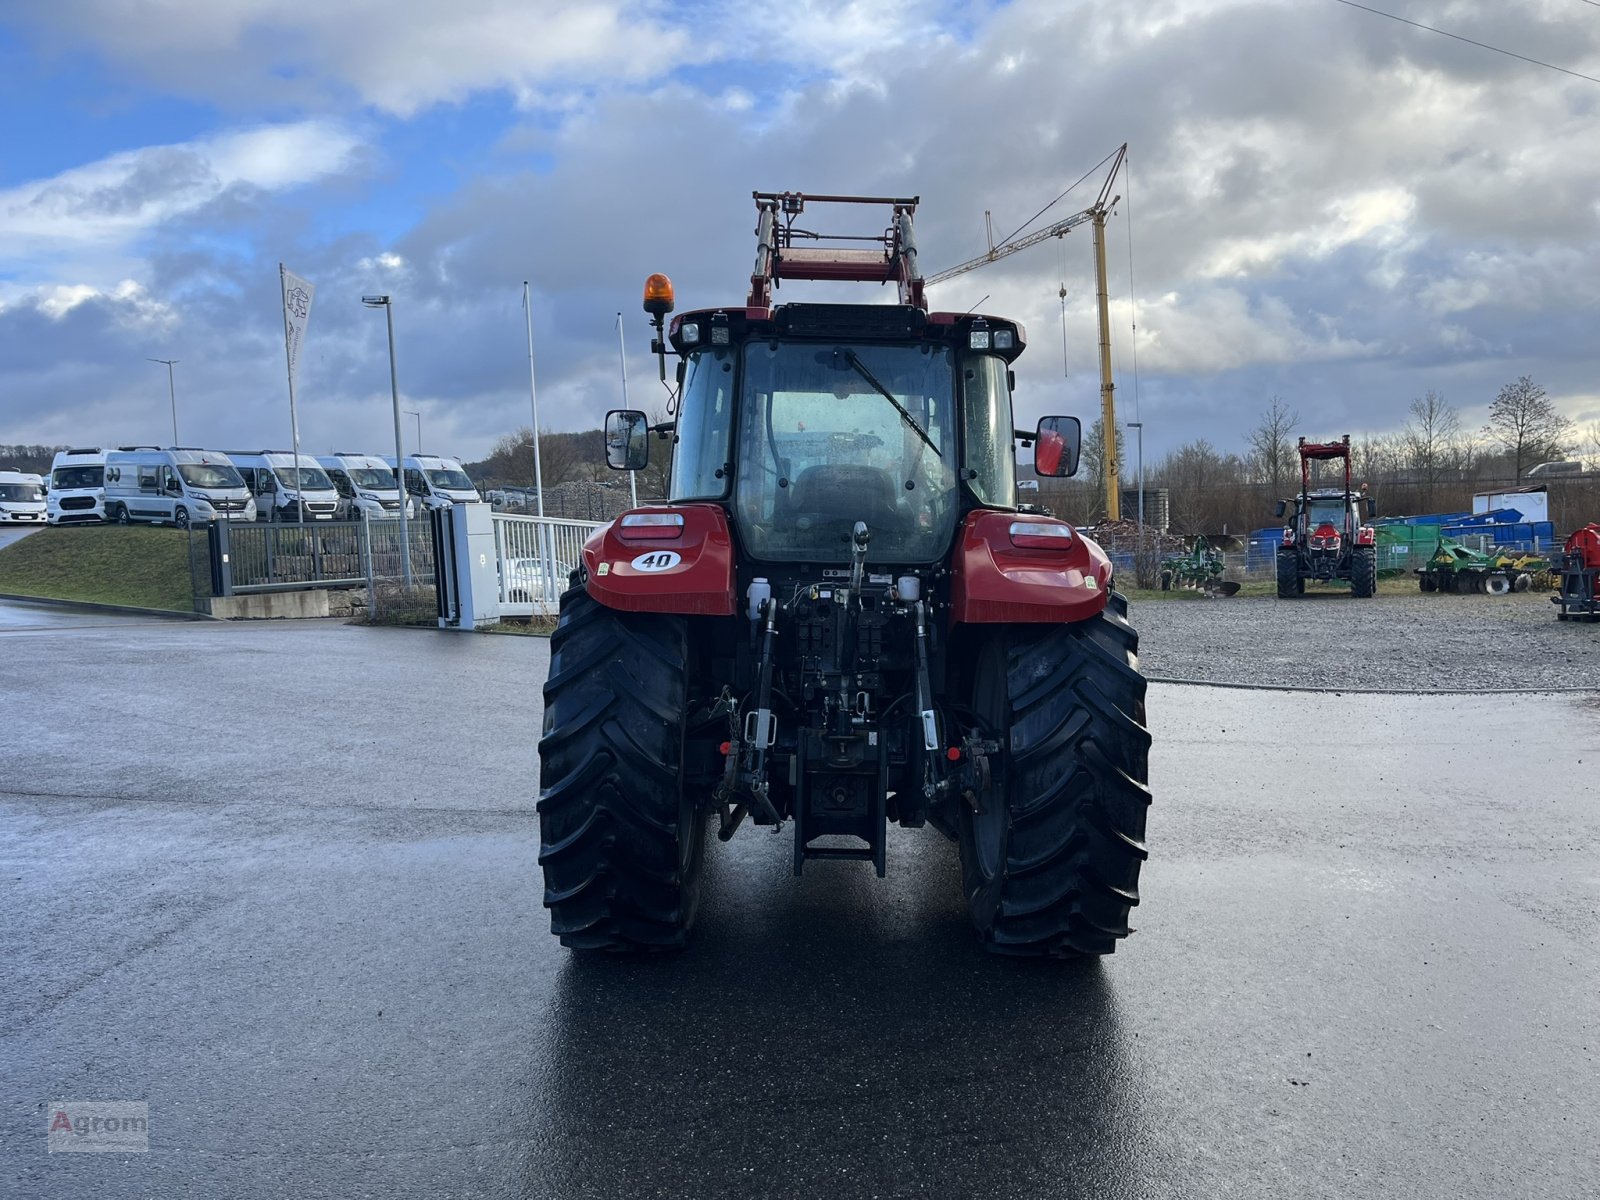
point(650, 526)
point(1040, 535)
point(1365, 536)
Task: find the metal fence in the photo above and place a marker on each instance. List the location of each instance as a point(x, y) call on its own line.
point(248, 558)
point(536, 556)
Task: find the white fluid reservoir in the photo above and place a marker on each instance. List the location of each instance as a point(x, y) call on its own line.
point(909, 587)
point(760, 592)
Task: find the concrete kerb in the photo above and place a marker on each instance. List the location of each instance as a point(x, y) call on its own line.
point(1360, 691)
point(126, 610)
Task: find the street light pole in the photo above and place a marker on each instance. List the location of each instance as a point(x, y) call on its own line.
point(172, 392)
point(1139, 425)
point(622, 353)
point(418, 416)
point(399, 447)
point(533, 395)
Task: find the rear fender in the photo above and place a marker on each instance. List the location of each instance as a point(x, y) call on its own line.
point(690, 572)
point(994, 581)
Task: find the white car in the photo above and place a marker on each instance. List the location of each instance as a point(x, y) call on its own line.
point(179, 486)
point(77, 486)
point(525, 582)
point(22, 497)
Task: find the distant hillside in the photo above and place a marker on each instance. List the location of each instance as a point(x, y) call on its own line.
point(566, 458)
point(33, 460)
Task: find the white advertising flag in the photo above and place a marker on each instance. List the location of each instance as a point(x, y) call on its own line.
point(297, 294)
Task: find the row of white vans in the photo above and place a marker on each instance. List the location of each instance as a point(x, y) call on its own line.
point(183, 486)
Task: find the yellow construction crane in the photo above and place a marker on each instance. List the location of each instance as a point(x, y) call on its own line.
point(1096, 214)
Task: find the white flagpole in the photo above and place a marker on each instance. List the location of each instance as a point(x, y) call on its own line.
point(547, 558)
point(533, 393)
point(622, 350)
point(294, 424)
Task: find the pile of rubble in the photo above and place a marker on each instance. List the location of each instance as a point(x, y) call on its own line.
point(1122, 537)
point(575, 500)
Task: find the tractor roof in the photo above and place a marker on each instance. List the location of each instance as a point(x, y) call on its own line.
point(889, 254)
point(1340, 449)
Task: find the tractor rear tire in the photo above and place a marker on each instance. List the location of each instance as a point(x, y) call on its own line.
point(620, 835)
point(1363, 573)
point(1050, 868)
point(1289, 582)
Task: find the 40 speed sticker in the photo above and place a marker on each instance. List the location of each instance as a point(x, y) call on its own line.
point(657, 560)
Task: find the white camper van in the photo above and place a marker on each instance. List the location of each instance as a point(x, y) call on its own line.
point(269, 474)
point(178, 486)
point(21, 498)
point(77, 487)
point(365, 484)
point(436, 482)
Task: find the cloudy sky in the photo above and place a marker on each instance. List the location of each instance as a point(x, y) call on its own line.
point(1321, 203)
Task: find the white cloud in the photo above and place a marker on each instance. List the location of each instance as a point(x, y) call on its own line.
point(1221, 329)
point(387, 261)
point(396, 55)
point(1376, 218)
point(134, 304)
point(116, 198)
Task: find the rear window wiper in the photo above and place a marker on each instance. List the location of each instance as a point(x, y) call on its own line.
point(860, 369)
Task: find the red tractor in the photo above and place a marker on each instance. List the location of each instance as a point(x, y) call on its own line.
point(841, 618)
point(1578, 589)
point(1326, 540)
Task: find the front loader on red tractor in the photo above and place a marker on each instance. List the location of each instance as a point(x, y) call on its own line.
point(842, 618)
point(1325, 539)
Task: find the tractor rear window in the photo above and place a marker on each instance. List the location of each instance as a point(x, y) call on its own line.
point(831, 434)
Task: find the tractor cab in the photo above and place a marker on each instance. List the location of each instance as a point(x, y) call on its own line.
point(801, 426)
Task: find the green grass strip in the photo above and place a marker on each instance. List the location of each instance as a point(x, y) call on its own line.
point(103, 564)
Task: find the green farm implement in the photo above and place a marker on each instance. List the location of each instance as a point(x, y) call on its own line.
point(1456, 568)
point(1201, 568)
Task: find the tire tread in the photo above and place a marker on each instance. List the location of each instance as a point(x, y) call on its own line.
point(610, 763)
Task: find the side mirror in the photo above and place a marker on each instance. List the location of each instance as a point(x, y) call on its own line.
point(1281, 508)
point(1372, 508)
point(1056, 446)
point(627, 440)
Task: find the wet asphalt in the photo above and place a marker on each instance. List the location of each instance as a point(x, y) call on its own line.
point(279, 881)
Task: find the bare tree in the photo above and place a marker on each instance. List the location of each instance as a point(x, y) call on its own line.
point(1272, 449)
point(1206, 490)
point(1426, 441)
point(1092, 459)
point(1374, 458)
point(653, 479)
point(1526, 423)
point(1591, 444)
